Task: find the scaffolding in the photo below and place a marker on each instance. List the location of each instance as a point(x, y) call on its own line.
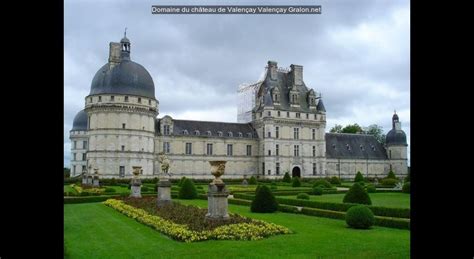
point(246, 94)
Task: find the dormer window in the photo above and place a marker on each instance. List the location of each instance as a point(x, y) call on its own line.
point(240, 134)
point(249, 135)
point(209, 133)
point(229, 134)
point(348, 147)
point(373, 147)
point(219, 133)
point(197, 133)
point(334, 146)
point(166, 129)
point(185, 132)
point(361, 147)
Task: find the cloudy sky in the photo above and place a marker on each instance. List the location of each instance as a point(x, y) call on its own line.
point(356, 53)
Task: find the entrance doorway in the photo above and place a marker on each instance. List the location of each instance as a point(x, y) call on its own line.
point(296, 172)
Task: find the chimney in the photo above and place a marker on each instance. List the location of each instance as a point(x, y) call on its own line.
point(114, 53)
point(297, 72)
point(272, 67)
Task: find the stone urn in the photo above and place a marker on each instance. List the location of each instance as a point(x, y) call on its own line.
point(217, 169)
point(136, 183)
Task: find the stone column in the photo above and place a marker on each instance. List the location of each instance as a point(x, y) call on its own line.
point(164, 192)
point(217, 194)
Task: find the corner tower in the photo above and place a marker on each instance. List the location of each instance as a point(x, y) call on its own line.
point(396, 146)
point(121, 111)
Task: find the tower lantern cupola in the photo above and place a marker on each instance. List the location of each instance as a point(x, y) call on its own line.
point(125, 44)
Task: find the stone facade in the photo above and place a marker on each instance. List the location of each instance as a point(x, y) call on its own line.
point(286, 132)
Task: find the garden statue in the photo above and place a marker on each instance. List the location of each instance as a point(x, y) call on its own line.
point(164, 185)
point(136, 183)
point(217, 193)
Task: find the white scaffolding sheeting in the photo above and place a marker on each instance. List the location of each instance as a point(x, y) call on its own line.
point(246, 98)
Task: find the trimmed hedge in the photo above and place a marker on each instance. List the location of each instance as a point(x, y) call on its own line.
point(388, 182)
point(335, 180)
point(371, 188)
point(323, 183)
point(357, 194)
point(406, 187)
point(302, 196)
point(317, 190)
point(359, 217)
point(296, 182)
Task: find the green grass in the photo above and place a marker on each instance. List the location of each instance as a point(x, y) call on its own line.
point(68, 188)
point(385, 199)
point(93, 230)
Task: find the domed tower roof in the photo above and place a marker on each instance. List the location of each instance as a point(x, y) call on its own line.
point(80, 121)
point(122, 76)
point(396, 136)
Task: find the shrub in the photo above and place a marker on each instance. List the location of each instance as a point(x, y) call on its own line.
point(109, 190)
point(371, 188)
point(357, 194)
point(407, 178)
point(113, 181)
point(391, 175)
point(317, 190)
point(389, 182)
point(358, 177)
point(145, 189)
point(273, 186)
point(188, 190)
point(252, 180)
point(296, 182)
point(180, 183)
point(302, 196)
point(264, 201)
point(322, 183)
point(359, 217)
point(406, 187)
point(335, 180)
point(287, 178)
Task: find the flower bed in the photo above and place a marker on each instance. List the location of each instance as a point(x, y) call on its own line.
point(242, 228)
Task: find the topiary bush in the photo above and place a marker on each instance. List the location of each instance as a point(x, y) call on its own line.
point(335, 180)
point(180, 183)
point(323, 183)
point(302, 196)
point(357, 194)
point(296, 182)
point(252, 180)
point(391, 175)
point(406, 187)
point(359, 177)
point(371, 188)
point(287, 178)
point(188, 190)
point(264, 201)
point(360, 217)
point(317, 190)
point(388, 182)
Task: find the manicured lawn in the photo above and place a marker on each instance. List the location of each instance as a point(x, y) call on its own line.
point(93, 230)
point(385, 199)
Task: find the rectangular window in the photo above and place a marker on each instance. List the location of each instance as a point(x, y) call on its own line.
point(307, 116)
point(269, 113)
point(83, 168)
point(139, 100)
point(263, 168)
point(288, 114)
point(90, 100)
point(229, 149)
point(314, 150)
point(249, 150)
point(189, 148)
point(112, 98)
point(73, 170)
point(123, 125)
point(166, 147)
point(314, 168)
point(123, 148)
point(269, 172)
point(166, 129)
point(296, 150)
point(84, 157)
point(122, 171)
point(277, 169)
point(209, 150)
point(100, 98)
point(269, 134)
point(314, 134)
point(74, 145)
point(298, 115)
point(278, 113)
point(277, 149)
point(277, 132)
point(149, 102)
point(84, 144)
point(77, 156)
point(260, 115)
point(126, 98)
point(315, 116)
point(296, 133)
point(269, 152)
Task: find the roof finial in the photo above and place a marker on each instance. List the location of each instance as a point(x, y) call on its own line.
point(125, 33)
point(395, 111)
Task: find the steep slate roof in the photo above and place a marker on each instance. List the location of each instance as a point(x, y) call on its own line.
point(203, 126)
point(340, 141)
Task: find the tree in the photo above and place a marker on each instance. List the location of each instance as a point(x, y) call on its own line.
point(287, 177)
point(67, 172)
point(336, 129)
point(352, 128)
point(377, 132)
point(359, 177)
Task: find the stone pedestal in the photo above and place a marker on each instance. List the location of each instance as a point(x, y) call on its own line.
point(136, 188)
point(217, 202)
point(164, 192)
point(84, 180)
point(95, 182)
point(89, 180)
